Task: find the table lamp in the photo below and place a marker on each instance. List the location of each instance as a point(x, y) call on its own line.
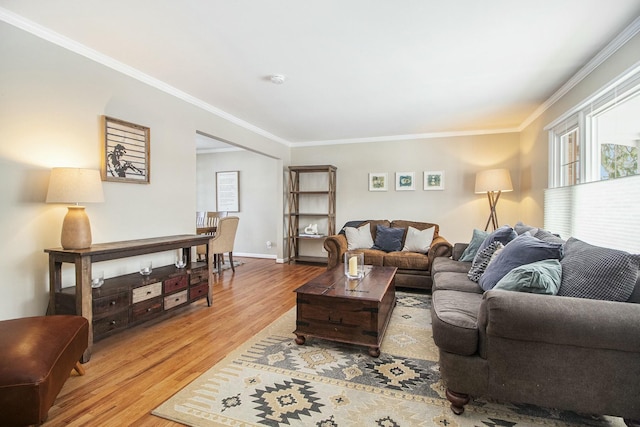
point(71, 185)
point(493, 182)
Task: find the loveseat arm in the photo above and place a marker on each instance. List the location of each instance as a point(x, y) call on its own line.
point(439, 247)
point(335, 246)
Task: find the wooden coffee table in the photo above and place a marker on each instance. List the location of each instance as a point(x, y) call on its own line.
point(351, 311)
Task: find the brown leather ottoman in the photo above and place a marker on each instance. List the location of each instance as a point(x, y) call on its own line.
point(37, 355)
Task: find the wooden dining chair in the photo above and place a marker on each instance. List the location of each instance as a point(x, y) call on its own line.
point(223, 241)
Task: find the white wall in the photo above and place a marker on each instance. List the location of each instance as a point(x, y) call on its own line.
point(456, 209)
point(260, 207)
point(51, 102)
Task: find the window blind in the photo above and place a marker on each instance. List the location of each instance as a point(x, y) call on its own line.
point(602, 213)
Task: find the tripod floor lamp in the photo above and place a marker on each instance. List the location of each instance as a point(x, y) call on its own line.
point(493, 182)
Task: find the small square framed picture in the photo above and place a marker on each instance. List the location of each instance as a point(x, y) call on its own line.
point(405, 181)
point(434, 180)
point(378, 181)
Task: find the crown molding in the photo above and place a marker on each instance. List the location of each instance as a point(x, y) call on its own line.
point(431, 135)
point(620, 40)
point(80, 49)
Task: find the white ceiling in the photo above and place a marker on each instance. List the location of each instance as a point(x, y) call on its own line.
point(354, 68)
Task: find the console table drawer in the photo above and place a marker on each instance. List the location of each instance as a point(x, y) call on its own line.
point(200, 274)
point(198, 291)
point(175, 299)
point(110, 323)
point(146, 292)
point(146, 309)
point(111, 303)
point(175, 284)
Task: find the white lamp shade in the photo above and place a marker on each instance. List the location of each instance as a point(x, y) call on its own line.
point(72, 185)
point(493, 180)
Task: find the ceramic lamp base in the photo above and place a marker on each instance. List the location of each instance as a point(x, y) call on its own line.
point(76, 229)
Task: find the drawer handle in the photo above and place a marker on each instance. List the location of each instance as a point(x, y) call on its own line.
point(177, 299)
point(148, 292)
point(148, 310)
point(112, 323)
point(335, 322)
point(113, 302)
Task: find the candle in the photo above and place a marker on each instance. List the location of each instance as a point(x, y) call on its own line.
point(353, 266)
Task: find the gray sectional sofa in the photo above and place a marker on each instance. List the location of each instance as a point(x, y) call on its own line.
point(566, 352)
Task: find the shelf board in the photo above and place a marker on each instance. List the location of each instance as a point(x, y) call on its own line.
point(311, 259)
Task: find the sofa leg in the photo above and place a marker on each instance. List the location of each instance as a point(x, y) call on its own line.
point(458, 400)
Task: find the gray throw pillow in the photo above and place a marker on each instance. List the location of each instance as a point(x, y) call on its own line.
point(522, 250)
point(472, 249)
point(595, 272)
point(548, 237)
point(522, 228)
point(482, 260)
point(388, 239)
point(504, 235)
point(540, 277)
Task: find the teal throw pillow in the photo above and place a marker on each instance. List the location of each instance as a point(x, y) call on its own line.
point(541, 277)
point(388, 239)
point(472, 249)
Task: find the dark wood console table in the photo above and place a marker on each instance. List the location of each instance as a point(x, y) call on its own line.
point(185, 285)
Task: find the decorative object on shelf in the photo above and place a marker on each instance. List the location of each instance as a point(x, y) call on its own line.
point(354, 265)
point(181, 260)
point(227, 191)
point(72, 185)
point(145, 268)
point(493, 182)
point(125, 157)
point(405, 181)
point(434, 180)
point(97, 279)
point(378, 181)
point(311, 229)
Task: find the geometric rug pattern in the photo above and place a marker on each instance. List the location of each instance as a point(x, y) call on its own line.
point(272, 381)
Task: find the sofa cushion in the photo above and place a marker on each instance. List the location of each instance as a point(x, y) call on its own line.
point(388, 239)
point(407, 260)
point(447, 264)
point(454, 316)
point(358, 238)
point(522, 250)
point(477, 238)
point(373, 256)
point(418, 240)
point(504, 235)
point(597, 273)
point(541, 277)
point(454, 281)
point(482, 260)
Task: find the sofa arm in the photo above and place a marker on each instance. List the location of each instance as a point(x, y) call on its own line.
point(559, 320)
point(336, 246)
point(439, 247)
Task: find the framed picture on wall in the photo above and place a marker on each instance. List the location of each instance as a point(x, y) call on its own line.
point(125, 154)
point(228, 191)
point(378, 181)
point(434, 180)
point(405, 181)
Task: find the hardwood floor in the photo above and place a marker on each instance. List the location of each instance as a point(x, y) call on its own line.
point(133, 372)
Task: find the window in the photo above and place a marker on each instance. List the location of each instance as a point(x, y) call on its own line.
point(599, 140)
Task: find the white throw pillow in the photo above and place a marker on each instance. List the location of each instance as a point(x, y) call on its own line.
point(418, 240)
point(358, 238)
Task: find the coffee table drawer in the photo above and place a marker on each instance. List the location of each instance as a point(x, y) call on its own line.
point(335, 311)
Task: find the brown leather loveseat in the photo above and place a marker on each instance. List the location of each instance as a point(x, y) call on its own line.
point(414, 268)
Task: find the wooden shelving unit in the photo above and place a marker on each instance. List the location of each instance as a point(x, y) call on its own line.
point(299, 198)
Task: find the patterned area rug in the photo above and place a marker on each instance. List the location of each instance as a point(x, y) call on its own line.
point(271, 381)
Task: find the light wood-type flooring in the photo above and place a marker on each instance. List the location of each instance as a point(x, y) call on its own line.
point(133, 372)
